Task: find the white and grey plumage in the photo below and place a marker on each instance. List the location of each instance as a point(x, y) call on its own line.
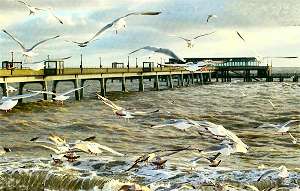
point(178, 124)
point(190, 66)
point(33, 10)
point(164, 51)
point(61, 97)
point(282, 128)
point(9, 102)
point(122, 112)
point(118, 24)
point(10, 89)
point(190, 41)
point(280, 172)
point(28, 51)
point(210, 17)
point(60, 146)
point(36, 66)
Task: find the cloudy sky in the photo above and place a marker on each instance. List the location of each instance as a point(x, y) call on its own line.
point(270, 27)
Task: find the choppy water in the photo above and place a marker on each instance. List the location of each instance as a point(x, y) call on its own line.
point(29, 167)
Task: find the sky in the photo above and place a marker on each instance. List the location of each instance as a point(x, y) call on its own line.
point(271, 28)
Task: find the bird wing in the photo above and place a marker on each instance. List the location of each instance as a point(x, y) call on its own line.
point(43, 41)
point(108, 149)
point(159, 50)
point(265, 174)
point(41, 92)
point(109, 103)
point(240, 36)
point(290, 122)
point(185, 39)
point(15, 39)
point(57, 151)
point(57, 18)
point(143, 113)
point(23, 96)
point(204, 35)
point(151, 48)
point(116, 20)
point(73, 90)
point(101, 31)
point(174, 65)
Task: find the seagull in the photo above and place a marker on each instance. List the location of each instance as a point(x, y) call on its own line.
point(59, 97)
point(120, 111)
point(220, 131)
point(28, 52)
point(160, 50)
point(178, 124)
point(190, 41)
point(156, 159)
point(9, 102)
point(257, 56)
point(69, 149)
point(118, 24)
point(210, 17)
point(240, 36)
point(34, 10)
point(4, 150)
point(281, 128)
point(213, 160)
point(280, 172)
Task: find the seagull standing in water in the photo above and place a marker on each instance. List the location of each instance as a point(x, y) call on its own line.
point(122, 112)
point(11, 101)
point(164, 51)
point(28, 52)
point(117, 24)
point(189, 42)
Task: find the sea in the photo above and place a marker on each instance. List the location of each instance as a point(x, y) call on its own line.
point(238, 106)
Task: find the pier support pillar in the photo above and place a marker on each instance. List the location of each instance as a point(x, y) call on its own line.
point(54, 85)
point(181, 80)
point(103, 86)
point(198, 78)
point(77, 92)
point(82, 89)
point(141, 84)
point(4, 90)
point(156, 83)
point(45, 88)
point(209, 76)
point(192, 78)
point(201, 79)
point(21, 87)
point(171, 81)
point(123, 84)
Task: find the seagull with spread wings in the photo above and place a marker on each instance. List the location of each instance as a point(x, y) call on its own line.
point(189, 42)
point(117, 24)
point(164, 51)
point(122, 112)
point(11, 101)
point(68, 150)
point(33, 10)
point(60, 97)
point(28, 52)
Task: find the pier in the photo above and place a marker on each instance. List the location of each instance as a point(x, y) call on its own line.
point(54, 73)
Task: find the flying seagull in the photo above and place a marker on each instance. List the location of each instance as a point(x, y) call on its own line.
point(190, 41)
point(36, 66)
point(60, 97)
point(10, 89)
point(160, 50)
point(33, 10)
point(117, 24)
point(122, 112)
point(280, 172)
point(28, 52)
point(210, 17)
point(9, 102)
point(240, 36)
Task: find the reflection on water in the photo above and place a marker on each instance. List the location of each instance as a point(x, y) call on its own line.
point(239, 107)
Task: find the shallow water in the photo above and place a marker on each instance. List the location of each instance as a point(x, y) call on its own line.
point(29, 167)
